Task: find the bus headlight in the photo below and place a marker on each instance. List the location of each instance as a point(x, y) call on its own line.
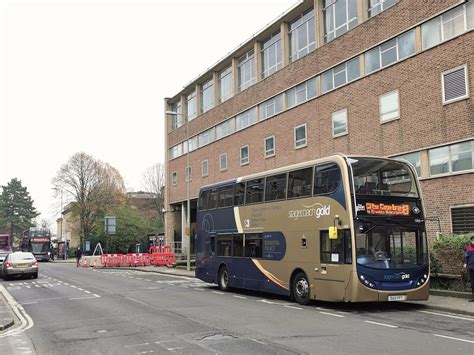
point(422, 280)
point(367, 281)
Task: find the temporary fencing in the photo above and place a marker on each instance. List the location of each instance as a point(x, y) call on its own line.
point(157, 256)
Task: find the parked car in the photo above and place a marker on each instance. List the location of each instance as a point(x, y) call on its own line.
point(3, 255)
point(19, 264)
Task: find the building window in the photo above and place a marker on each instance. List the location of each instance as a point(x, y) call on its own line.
point(339, 16)
point(270, 107)
point(451, 159)
point(340, 75)
point(300, 136)
point(246, 119)
point(339, 123)
point(448, 25)
point(225, 128)
point(246, 70)
point(301, 93)
point(207, 95)
point(271, 55)
point(193, 144)
point(414, 159)
point(244, 155)
point(207, 137)
point(191, 103)
point(454, 83)
point(205, 168)
point(176, 151)
point(225, 84)
point(174, 178)
point(302, 36)
point(389, 107)
point(377, 6)
point(269, 146)
point(188, 173)
point(223, 162)
point(390, 52)
point(176, 120)
point(462, 219)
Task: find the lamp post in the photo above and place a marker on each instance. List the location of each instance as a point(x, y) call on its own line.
point(61, 217)
point(187, 229)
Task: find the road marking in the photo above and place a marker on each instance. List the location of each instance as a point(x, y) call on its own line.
point(452, 338)
point(258, 341)
point(292, 307)
point(132, 345)
point(28, 303)
point(199, 289)
point(87, 291)
point(237, 296)
point(448, 315)
point(73, 286)
point(173, 349)
point(82, 298)
point(268, 302)
point(147, 351)
point(332, 314)
point(95, 295)
point(28, 286)
point(80, 289)
point(382, 324)
point(218, 293)
point(184, 286)
point(147, 280)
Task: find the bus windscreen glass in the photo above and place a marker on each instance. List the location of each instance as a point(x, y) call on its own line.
point(391, 247)
point(383, 177)
point(39, 247)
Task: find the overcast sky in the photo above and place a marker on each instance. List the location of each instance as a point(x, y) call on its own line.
point(91, 76)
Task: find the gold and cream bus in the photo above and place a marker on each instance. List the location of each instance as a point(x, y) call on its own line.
point(335, 229)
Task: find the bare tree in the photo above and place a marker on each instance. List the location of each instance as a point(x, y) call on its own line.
point(153, 182)
point(93, 186)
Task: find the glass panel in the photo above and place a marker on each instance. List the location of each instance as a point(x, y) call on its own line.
point(372, 60)
point(326, 178)
point(253, 245)
point(461, 156)
point(339, 75)
point(244, 155)
point(439, 160)
point(254, 191)
point(311, 88)
point(223, 162)
point(431, 33)
point(383, 177)
point(299, 183)
point(414, 159)
point(300, 136)
point(353, 69)
point(389, 106)
point(291, 97)
point(470, 14)
point(238, 245)
point(406, 45)
point(326, 81)
point(224, 245)
point(226, 196)
point(275, 187)
point(269, 146)
point(389, 52)
point(453, 23)
point(213, 199)
point(339, 122)
point(239, 194)
point(204, 200)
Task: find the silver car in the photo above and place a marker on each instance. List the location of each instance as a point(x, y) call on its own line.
point(20, 264)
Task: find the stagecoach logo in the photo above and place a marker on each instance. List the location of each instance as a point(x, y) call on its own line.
point(397, 277)
point(317, 210)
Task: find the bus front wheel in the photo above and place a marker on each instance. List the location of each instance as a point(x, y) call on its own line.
point(223, 279)
point(301, 288)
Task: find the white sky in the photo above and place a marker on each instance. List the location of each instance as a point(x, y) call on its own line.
point(91, 76)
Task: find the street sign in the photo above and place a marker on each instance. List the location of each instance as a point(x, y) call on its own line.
point(110, 224)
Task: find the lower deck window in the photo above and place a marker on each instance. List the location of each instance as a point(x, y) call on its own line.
point(336, 251)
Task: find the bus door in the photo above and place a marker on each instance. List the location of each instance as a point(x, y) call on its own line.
point(333, 265)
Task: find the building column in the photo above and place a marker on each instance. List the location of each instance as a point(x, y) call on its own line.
point(215, 84)
point(235, 75)
point(285, 44)
point(362, 11)
point(258, 61)
point(319, 22)
point(197, 89)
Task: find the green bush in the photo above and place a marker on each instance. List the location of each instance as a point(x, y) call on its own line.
point(448, 257)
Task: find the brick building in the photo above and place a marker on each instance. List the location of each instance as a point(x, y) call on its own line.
point(388, 78)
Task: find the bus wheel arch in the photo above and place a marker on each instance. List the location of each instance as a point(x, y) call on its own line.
point(223, 277)
point(300, 287)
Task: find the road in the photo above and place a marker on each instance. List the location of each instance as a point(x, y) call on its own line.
point(78, 311)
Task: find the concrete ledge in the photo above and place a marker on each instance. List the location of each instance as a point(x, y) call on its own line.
point(447, 293)
point(6, 323)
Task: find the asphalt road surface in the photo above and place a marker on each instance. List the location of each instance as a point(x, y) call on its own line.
point(84, 311)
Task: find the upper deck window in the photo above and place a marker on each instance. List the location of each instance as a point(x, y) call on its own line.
point(383, 177)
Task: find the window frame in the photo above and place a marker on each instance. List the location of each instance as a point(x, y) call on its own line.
point(450, 160)
point(346, 131)
point(188, 173)
point(205, 161)
point(265, 151)
point(220, 162)
point(333, 20)
point(272, 43)
point(381, 5)
point(247, 59)
point(382, 121)
point(207, 85)
point(466, 84)
point(224, 74)
point(294, 55)
point(174, 178)
point(242, 160)
point(305, 144)
point(189, 97)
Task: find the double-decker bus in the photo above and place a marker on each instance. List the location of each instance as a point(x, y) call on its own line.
point(38, 242)
point(335, 229)
point(5, 243)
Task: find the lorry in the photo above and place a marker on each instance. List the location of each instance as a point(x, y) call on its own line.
point(38, 242)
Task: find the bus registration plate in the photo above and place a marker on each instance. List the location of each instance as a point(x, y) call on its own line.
point(397, 298)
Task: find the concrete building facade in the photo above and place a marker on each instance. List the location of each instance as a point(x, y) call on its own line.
point(389, 78)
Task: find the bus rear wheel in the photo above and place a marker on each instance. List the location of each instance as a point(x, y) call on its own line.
point(301, 289)
point(223, 279)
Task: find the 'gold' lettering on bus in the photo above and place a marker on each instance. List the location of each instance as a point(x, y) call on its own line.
point(310, 212)
point(391, 210)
